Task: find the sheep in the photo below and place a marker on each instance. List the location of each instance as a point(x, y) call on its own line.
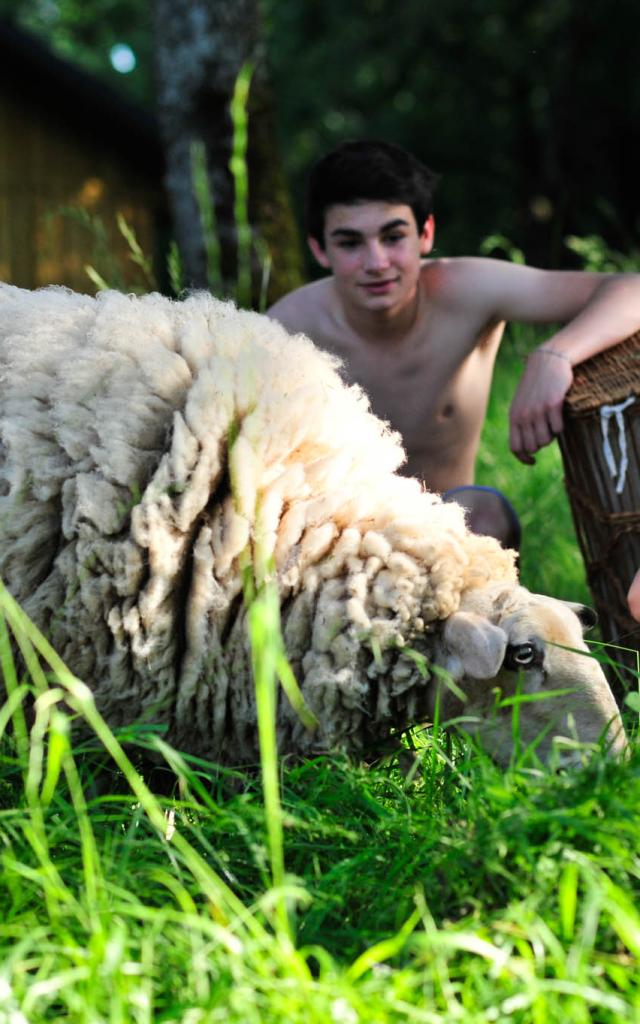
point(152, 453)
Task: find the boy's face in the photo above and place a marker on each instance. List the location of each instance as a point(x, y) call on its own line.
point(374, 250)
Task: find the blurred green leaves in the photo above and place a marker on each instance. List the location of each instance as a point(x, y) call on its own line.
point(531, 111)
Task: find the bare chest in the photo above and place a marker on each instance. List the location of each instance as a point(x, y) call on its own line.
point(433, 389)
point(431, 383)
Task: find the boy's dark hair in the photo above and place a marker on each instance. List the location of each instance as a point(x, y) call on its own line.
point(368, 170)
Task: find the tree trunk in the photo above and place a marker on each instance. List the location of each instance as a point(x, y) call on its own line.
point(200, 47)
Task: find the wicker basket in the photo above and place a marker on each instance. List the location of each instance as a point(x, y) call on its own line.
point(600, 449)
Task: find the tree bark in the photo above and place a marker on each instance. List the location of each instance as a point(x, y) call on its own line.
point(200, 47)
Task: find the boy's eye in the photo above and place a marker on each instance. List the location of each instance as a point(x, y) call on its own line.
point(348, 243)
point(396, 236)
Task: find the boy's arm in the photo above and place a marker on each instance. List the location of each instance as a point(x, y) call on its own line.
point(610, 314)
point(633, 597)
point(597, 310)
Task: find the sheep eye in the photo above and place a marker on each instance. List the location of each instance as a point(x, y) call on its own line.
point(520, 656)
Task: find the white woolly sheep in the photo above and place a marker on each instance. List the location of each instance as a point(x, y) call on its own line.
point(151, 449)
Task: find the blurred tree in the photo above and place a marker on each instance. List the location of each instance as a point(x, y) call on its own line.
point(200, 47)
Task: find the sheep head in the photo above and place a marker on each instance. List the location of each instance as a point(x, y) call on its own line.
point(505, 641)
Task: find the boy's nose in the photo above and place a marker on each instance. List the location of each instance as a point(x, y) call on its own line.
point(376, 257)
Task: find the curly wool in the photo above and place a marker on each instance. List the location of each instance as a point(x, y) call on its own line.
point(148, 448)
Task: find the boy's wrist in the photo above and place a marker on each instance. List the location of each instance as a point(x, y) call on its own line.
point(550, 350)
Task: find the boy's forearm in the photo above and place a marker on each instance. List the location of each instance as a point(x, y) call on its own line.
point(610, 316)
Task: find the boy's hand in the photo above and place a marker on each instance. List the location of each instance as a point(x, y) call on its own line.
point(633, 597)
point(535, 417)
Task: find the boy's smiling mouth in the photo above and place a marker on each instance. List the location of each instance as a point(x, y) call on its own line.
point(379, 286)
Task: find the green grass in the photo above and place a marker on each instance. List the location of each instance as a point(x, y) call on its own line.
point(319, 892)
point(550, 561)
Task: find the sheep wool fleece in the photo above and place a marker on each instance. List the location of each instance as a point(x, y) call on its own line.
point(148, 450)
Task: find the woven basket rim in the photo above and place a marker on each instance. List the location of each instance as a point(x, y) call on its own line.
point(611, 376)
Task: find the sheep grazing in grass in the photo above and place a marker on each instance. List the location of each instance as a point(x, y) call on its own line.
point(152, 451)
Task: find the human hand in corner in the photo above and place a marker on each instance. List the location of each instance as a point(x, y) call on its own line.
point(633, 597)
point(535, 416)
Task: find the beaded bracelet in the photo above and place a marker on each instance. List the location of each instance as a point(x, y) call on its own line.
point(549, 352)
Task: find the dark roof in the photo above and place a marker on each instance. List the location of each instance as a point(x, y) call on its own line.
point(73, 97)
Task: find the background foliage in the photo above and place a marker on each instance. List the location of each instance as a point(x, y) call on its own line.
point(85, 32)
point(530, 111)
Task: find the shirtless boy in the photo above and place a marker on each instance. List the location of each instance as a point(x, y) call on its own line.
point(421, 335)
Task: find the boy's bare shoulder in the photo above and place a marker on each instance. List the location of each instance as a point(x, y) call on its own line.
point(455, 278)
point(476, 287)
point(305, 309)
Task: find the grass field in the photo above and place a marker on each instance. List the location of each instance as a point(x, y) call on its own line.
point(336, 894)
point(537, 492)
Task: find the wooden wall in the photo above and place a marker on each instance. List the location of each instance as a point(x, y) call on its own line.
point(58, 186)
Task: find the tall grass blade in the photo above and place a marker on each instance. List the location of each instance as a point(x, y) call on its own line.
point(264, 653)
point(386, 949)
point(136, 253)
point(568, 898)
point(174, 268)
point(96, 278)
point(239, 172)
point(205, 201)
point(14, 709)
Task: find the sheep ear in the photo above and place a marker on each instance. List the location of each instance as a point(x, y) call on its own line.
point(476, 643)
point(588, 617)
